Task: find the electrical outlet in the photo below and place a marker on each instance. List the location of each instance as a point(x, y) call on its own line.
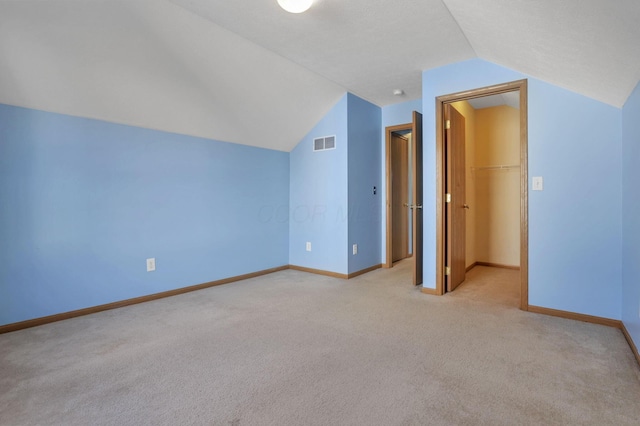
point(308, 246)
point(151, 264)
point(355, 249)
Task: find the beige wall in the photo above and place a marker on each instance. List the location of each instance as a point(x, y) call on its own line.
point(497, 212)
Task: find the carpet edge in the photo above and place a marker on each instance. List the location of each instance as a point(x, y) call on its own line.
point(631, 343)
point(34, 322)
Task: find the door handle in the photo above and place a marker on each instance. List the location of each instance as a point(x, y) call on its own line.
point(465, 206)
point(413, 206)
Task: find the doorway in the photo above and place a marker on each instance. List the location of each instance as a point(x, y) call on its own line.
point(452, 175)
point(403, 158)
point(400, 197)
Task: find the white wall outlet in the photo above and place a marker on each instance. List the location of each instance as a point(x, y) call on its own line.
point(308, 246)
point(538, 183)
point(151, 264)
point(355, 249)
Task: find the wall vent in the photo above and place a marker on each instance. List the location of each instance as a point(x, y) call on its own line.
point(325, 143)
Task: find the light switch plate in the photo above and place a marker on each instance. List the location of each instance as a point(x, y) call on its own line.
point(538, 183)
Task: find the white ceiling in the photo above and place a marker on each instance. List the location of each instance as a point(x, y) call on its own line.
point(588, 46)
point(248, 72)
point(370, 47)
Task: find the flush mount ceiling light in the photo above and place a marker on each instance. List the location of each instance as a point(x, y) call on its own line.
point(295, 6)
point(398, 92)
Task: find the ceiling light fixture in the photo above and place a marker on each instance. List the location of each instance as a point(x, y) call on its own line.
point(295, 6)
point(398, 92)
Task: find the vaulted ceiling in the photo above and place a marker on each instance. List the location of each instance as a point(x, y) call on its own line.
point(247, 72)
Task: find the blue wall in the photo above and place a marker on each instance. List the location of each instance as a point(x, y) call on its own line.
point(85, 202)
point(631, 215)
point(331, 196)
point(401, 113)
point(318, 196)
point(575, 223)
point(364, 173)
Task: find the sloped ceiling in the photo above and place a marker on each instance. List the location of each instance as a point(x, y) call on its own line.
point(369, 47)
point(155, 65)
point(250, 73)
point(588, 46)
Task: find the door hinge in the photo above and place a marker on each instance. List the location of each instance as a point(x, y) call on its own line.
point(447, 124)
point(447, 270)
point(447, 198)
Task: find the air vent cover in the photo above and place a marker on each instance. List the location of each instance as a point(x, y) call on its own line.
point(324, 143)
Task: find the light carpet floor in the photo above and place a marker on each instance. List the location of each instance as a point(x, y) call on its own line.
point(293, 348)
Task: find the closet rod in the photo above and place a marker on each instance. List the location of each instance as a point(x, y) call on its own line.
point(500, 167)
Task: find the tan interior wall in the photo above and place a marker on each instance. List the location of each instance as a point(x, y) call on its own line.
point(497, 213)
point(464, 108)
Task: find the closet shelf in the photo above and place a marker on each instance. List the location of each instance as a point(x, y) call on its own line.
point(499, 167)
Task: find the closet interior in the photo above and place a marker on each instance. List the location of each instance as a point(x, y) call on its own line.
point(492, 175)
